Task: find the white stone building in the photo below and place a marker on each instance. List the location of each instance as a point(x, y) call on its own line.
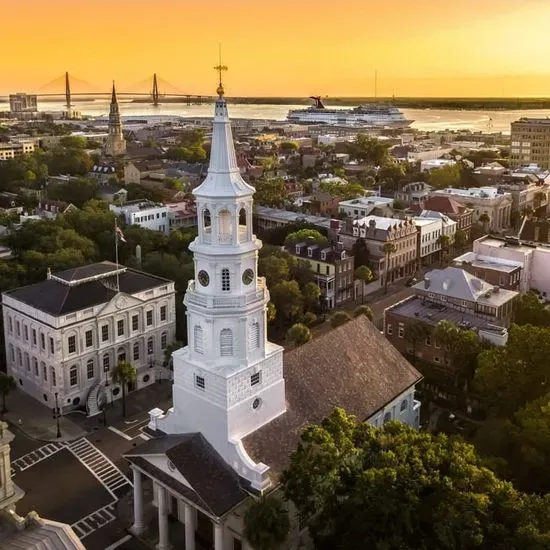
point(146, 214)
point(429, 230)
point(363, 206)
point(237, 410)
point(65, 335)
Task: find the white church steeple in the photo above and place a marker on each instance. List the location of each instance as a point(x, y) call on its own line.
point(228, 380)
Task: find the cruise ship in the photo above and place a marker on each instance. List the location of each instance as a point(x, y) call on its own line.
point(375, 114)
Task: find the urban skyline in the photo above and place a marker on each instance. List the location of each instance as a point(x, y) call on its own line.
point(436, 50)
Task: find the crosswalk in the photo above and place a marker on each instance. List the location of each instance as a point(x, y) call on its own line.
point(91, 523)
point(100, 466)
point(30, 459)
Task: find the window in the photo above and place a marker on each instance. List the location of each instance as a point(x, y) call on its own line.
point(226, 280)
point(226, 342)
point(150, 346)
point(428, 340)
point(19, 361)
point(12, 352)
point(90, 370)
point(52, 347)
point(198, 339)
point(436, 359)
point(42, 341)
point(254, 336)
point(34, 337)
point(120, 327)
point(44, 371)
point(89, 338)
point(401, 330)
point(10, 324)
point(149, 317)
point(200, 382)
point(27, 362)
point(73, 376)
point(163, 340)
point(54, 378)
point(404, 405)
point(35, 366)
point(387, 417)
point(72, 344)
point(106, 362)
point(255, 378)
point(389, 329)
point(135, 322)
point(136, 351)
point(26, 332)
point(17, 328)
point(163, 313)
point(104, 333)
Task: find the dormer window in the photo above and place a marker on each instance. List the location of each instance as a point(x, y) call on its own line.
point(323, 255)
point(298, 249)
point(343, 254)
point(309, 252)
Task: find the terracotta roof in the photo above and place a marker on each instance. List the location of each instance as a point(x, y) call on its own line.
point(443, 204)
point(352, 366)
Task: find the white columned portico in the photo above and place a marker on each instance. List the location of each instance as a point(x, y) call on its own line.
point(218, 536)
point(164, 543)
point(189, 527)
point(138, 527)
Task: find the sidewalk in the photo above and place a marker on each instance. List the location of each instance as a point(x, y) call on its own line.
point(37, 421)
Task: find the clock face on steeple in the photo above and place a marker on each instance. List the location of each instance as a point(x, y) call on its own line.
point(203, 277)
point(248, 276)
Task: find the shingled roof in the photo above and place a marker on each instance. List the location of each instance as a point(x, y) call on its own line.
point(352, 366)
point(447, 205)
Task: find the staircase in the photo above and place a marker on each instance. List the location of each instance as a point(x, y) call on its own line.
point(92, 406)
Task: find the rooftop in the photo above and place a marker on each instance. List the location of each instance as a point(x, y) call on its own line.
point(487, 262)
point(367, 201)
point(352, 366)
point(477, 192)
point(138, 206)
point(447, 205)
point(380, 222)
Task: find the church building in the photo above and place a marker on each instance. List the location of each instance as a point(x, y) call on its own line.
point(239, 402)
point(115, 144)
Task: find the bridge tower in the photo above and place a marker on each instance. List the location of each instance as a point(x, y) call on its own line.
point(68, 94)
point(155, 93)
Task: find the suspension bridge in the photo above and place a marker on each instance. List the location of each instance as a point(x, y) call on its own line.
point(154, 87)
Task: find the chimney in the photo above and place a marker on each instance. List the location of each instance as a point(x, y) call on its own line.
point(49, 274)
point(426, 282)
point(138, 255)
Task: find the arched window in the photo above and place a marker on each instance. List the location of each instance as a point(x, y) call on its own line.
point(198, 339)
point(44, 371)
point(163, 339)
point(404, 405)
point(54, 378)
point(90, 370)
point(242, 217)
point(206, 220)
point(73, 376)
point(254, 336)
point(121, 355)
point(226, 342)
point(387, 417)
point(136, 351)
point(150, 346)
point(225, 223)
point(106, 362)
point(226, 280)
point(12, 352)
point(35, 366)
point(27, 362)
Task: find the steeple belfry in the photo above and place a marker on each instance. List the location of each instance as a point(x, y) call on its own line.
point(115, 144)
point(228, 380)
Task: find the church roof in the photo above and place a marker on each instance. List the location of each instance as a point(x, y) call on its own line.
point(352, 366)
point(214, 485)
point(224, 178)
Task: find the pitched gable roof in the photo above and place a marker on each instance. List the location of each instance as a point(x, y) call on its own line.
point(455, 283)
point(447, 205)
point(352, 366)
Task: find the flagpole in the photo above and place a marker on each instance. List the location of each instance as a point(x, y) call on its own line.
point(116, 256)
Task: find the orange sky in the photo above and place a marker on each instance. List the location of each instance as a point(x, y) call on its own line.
point(282, 47)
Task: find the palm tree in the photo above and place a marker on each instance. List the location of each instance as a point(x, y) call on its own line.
point(364, 274)
point(484, 219)
point(123, 374)
point(7, 384)
point(389, 248)
point(266, 523)
point(445, 242)
point(416, 331)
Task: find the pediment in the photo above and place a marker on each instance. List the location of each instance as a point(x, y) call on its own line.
point(119, 302)
point(162, 462)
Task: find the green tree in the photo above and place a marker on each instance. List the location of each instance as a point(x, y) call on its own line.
point(7, 385)
point(446, 176)
point(270, 192)
point(364, 275)
point(391, 175)
point(168, 350)
point(368, 149)
point(485, 220)
point(416, 332)
point(361, 252)
point(123, 374)
point(459, 240)
point(311, 293)
point(339, 318)
point(274, 269)
point(363, 310)
point(399, 488)
point(77, 192)
point(288, 300)
point(266, 523)
point(530, 311)
point(389, 249)
point(288, 146)
point(73, 142)
point(298, 334)
point(306, 236)
point(445, 242)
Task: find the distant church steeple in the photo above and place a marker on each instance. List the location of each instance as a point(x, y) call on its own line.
point(115, 144)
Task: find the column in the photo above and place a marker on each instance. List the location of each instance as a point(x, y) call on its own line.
point(163, 543)
point(138, 527)
point(189, 527)
point(218, 536)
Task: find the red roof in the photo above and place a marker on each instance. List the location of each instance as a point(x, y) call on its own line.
point(445, 205)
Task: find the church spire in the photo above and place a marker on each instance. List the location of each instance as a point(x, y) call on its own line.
point(115, 144)
point(113, 96)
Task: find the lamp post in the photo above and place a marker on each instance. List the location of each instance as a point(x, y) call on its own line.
point(56, 415)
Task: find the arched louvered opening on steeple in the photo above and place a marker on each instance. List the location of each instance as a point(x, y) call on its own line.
point(206, 220)
point(226, 342)
point(198, 339)
point(243, 224)
point(254, 336)
point(225, 227)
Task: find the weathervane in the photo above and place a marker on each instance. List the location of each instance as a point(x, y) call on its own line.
point(220, 68)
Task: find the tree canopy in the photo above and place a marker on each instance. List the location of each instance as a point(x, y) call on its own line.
point(307, 236)
point(530, 311)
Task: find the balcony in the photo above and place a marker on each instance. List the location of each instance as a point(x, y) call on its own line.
point(192, 297)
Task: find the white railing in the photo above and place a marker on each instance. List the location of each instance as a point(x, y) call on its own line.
point(204, 300)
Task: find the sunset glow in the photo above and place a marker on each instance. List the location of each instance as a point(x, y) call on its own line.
point(283, 47)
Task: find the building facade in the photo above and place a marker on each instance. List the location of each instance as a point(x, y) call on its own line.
point(115, 144)
point(23, 103)
point(530, 142)
point(428, 237)
point(503, 273)
point(146, 214)
point(363, 206)
point(462, 215)
point(65, 335)
point(14, 149)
